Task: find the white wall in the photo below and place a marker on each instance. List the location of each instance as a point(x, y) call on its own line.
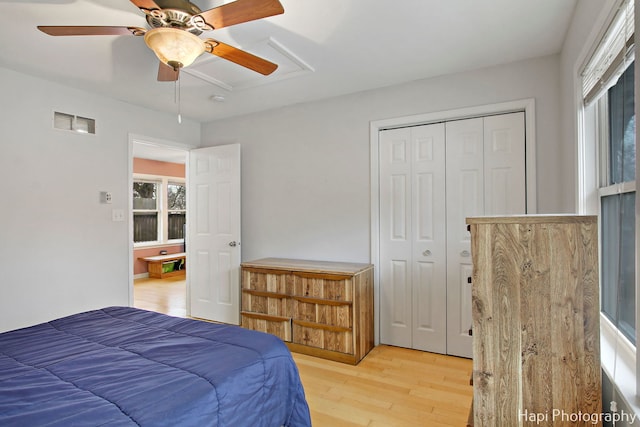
point(305, 168)
point(579, 41)
point(306, 191)
point(60, 252)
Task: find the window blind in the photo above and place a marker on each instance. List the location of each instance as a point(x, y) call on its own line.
point(612, 55)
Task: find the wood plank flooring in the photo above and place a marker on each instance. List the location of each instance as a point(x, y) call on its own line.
point(166, 295)
point(392, 386)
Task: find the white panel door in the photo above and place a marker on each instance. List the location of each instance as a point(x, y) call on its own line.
point(485, 176)
point(429, 239)
point(432, 178)
point(465, 197)
point(395, 229)
point(413, 240)
point(213, 241)
point(504, 162)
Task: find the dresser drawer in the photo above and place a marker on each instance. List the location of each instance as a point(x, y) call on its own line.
point(321, 311)
point(266, 303)
point(259, 279)
point(277, 325)
point(332, 338)
point(325, 286)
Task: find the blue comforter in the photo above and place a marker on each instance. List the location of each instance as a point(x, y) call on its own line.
point(122, 366)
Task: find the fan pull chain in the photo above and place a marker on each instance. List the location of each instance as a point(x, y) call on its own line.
point(177, 98)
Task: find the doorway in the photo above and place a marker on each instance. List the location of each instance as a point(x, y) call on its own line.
point(418, 247)
point(212, 232)
point(158, 171)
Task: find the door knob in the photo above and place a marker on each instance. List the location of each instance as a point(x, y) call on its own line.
point(465, 254)
point(233, 244)
point(426, 253)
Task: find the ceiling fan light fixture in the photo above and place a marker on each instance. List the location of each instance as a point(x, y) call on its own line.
point(176, 48)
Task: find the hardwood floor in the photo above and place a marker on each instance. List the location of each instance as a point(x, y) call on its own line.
point(166, 295)
point(391, 386)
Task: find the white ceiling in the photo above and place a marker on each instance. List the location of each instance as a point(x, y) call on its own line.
point(324, 48)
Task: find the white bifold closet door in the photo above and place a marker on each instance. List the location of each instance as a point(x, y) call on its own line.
point(413, 258)
point(431, 178)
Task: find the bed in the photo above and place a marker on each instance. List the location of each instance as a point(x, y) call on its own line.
point(122, 366)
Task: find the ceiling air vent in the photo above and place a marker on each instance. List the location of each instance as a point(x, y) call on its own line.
point(73, 123)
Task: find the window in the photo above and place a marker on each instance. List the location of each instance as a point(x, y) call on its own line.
point(145, 211)
point(608, 94)
point(177, 210)
point(159, 209)
point(607, 165)
point(617, 147)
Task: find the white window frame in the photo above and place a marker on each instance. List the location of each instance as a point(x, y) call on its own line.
point(163, 208)
point(618, 355)
point(158, 184)
point(171, 181)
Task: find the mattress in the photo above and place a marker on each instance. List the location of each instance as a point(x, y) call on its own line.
point(122, 366)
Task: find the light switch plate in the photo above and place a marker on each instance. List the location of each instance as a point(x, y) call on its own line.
point(117, 215)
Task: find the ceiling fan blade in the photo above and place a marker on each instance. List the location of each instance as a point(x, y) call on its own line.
point(62, 30)
point(146, 5)
point(167, 73)
point(241, 11)
point(240, 57)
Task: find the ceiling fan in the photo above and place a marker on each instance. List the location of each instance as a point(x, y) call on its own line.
point(175, 27)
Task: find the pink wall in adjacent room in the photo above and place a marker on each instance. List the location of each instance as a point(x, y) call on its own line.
point(154, 167)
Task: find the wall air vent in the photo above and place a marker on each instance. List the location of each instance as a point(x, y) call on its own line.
point(73, 123)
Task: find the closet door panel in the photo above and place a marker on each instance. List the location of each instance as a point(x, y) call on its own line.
point(433, 177)
point(465, 197)
point(413, 238)
point(505, 181)
point(429, 239)
point(396, 245)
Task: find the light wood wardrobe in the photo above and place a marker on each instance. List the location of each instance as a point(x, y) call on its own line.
point(536, 345)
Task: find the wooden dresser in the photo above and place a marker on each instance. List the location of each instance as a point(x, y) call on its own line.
point(536, 340)
point(320, 308)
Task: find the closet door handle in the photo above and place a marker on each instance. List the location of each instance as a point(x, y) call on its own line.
point(465, 254)
point(426, 253)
